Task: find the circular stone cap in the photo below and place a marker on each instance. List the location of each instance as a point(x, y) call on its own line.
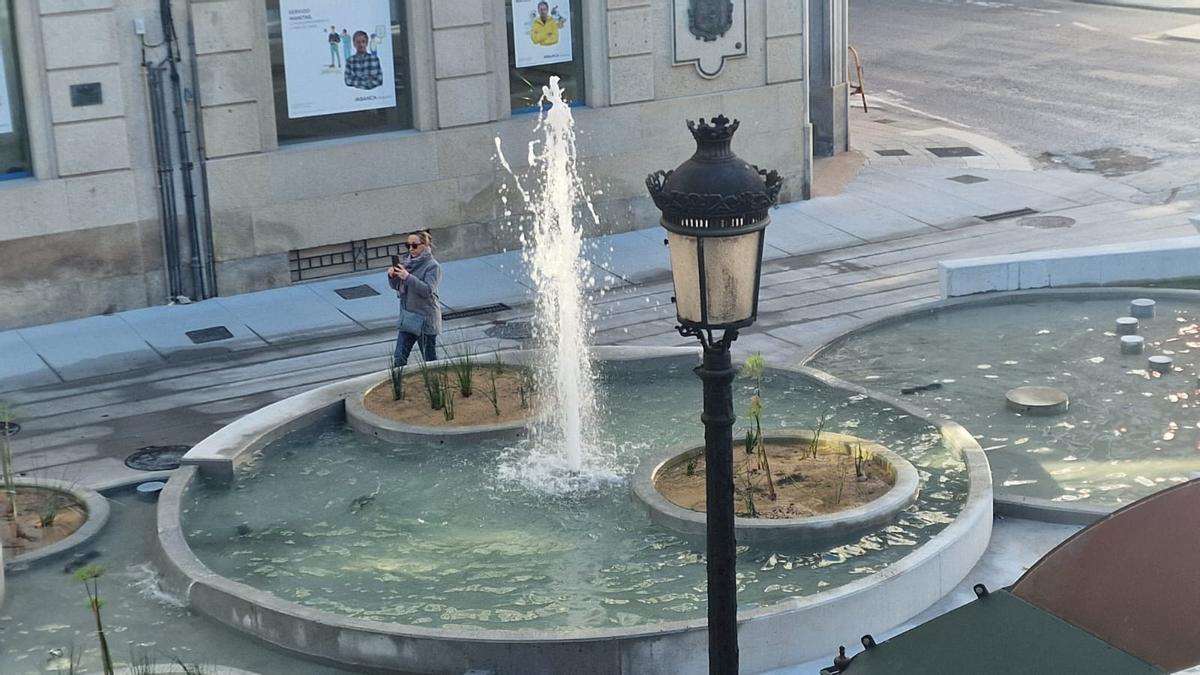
point(1142, 308)
point(1127, 325)
point(149, 491)
point(1037, 400)
point(1160, 364)
point(1132, 344)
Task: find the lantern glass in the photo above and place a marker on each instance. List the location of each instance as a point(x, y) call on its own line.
point(730, 276)
point(730, 273)
point(685, 270)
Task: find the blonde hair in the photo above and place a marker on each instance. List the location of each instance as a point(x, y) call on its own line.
point(425, 236)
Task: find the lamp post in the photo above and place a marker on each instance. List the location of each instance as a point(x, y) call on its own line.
point(715, 208)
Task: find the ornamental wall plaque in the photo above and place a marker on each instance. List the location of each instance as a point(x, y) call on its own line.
point(707, 32)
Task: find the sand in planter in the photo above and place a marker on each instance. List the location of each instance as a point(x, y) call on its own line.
point(472, 410)
point(32, 503)
point(803, 486)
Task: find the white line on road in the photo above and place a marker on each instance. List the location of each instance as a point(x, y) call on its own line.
point(1085, 26)
point(895, 104)
point(1151, 41)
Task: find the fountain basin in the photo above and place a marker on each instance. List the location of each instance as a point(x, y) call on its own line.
point(768, 634)
point(808, 531)
point(1124, 435)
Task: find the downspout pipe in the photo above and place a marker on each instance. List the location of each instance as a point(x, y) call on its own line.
point(199, 284)
point(210, 258)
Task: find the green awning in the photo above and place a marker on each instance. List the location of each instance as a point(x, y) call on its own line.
point(998, 634)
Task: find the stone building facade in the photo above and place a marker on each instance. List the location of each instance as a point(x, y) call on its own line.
point(91, 211)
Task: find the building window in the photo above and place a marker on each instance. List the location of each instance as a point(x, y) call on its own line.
point(14, 144)
point(339, 70)
point(543, 41)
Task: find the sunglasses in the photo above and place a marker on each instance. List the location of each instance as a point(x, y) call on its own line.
point(411, 245)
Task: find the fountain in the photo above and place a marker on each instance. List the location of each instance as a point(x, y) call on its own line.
point(434, 555)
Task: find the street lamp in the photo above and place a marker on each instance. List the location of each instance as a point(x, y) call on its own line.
point(715, 208)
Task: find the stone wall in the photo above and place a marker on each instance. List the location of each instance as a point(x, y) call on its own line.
point(84, 236)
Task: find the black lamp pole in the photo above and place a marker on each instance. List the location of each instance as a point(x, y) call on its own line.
point(715, 208)
point(716, 372)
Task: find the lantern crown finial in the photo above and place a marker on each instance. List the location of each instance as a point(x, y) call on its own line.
point(720, 129)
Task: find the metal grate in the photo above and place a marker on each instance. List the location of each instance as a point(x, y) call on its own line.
point(967, 179)
point(345, 258)
point(955, 151)
point(885, 120)
point(214, 334)
point(157, 457)
point(475, 311)
point(9, 428)
point(1005, 215)
point(356, 292)
point(512, 330)
point(892, 153)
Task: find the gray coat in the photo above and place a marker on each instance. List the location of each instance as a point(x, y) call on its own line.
point(419, 292)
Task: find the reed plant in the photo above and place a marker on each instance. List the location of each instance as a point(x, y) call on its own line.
point(396, 375)
point(9, 474)
point(755, 369)
point(463, 364)
point(90, 577)
point(492, 393)
point(434, 380)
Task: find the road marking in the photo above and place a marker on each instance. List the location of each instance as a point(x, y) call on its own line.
point(1085, 26)
point(1147, 40)
point(896, 104)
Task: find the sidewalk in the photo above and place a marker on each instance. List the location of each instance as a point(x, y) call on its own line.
point(919, 177)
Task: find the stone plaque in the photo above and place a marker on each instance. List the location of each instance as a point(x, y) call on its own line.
point(707, 32)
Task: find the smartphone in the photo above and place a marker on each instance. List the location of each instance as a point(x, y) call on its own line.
point(395, 261)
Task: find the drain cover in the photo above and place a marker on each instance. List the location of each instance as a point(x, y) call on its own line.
point(356, 292)
point(967, 179)
point(955, 151)
point(214, 334)
point(892, 153)
point(157, 457)
point(475, 311)
point(513, 330)
point(10, 428)
point(1005, 215)
point(885, 120)
point(1046, 222)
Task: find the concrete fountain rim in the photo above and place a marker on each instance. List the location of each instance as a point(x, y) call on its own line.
point(811, 530)
point(1029, 508)
point(875, 602)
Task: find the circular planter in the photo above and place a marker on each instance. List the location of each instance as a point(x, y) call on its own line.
point(368, 422)
point(808, 531)
point(96, 508)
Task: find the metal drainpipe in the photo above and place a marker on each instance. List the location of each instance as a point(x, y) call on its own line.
point(209, 255)
point(199, 285)
point(166, 183)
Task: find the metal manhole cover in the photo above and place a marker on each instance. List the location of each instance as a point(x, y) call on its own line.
point(955, 151)
point(9, 428)
point(356, 292)
point(1046, 222)
point(157, 457)
point(892, 153)
point(513, 330)
point(214, 334)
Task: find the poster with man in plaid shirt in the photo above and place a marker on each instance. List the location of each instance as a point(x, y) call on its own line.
point(363, 70)
point(315, 86)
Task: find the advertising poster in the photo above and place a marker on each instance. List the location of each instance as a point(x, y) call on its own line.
point(541, 32)
point(6, 123)
point(337, 56)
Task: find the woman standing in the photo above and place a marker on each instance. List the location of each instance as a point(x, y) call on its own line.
point(416, 281)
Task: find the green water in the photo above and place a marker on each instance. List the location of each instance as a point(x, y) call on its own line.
point(450, 537)
point(1129, 432)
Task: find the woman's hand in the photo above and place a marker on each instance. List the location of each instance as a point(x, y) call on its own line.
point(401, 273)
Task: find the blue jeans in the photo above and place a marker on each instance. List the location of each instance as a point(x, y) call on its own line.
point(405, 342)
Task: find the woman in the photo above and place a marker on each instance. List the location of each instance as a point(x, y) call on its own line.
point(416, 281)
